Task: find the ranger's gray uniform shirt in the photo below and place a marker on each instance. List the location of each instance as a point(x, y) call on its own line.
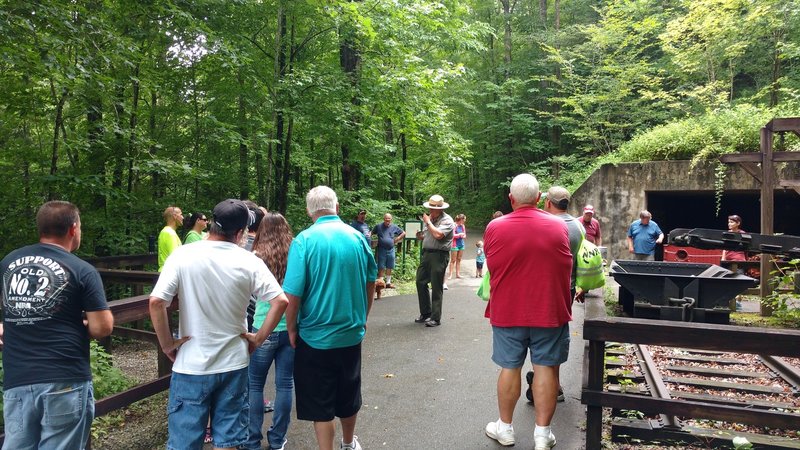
point(444, 224)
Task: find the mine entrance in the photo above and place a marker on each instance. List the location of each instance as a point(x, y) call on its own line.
point(697, 209)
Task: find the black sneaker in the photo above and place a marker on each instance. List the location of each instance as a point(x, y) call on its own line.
point(422, 319)
point(529, 392)
point(529, 380)
point(432, 323)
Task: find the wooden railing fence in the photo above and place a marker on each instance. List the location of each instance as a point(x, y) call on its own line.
point(599, 329)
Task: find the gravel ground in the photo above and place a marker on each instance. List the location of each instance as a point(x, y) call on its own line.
point(144, 424)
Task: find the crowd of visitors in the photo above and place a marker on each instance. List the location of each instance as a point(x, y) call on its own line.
point(252, 296)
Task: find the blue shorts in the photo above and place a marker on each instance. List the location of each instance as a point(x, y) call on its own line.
point(386, 258)
point(548, 346)
point(191, 397)
point(48, 415)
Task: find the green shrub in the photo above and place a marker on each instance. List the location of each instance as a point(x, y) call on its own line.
point(783, 300)
point(106, 378)
point(703, 137)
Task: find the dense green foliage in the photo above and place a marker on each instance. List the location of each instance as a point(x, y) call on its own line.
point(127, 107)
point(704, 136)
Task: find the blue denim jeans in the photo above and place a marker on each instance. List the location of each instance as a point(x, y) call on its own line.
point(48, 415)
point(191, 397)
point(276, 348)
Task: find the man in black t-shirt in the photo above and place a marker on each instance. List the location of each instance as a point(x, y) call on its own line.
point(48, 396)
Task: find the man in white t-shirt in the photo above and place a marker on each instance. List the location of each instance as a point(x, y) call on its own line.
point(213, 280)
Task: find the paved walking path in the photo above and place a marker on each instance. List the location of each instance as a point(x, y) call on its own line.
point(435, 388)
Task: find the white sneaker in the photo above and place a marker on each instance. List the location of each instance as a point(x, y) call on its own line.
point(505, 438)
point(544, 442)
point(444, 286)
point(354, 446)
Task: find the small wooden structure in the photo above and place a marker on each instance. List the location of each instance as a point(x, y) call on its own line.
point(765, 174)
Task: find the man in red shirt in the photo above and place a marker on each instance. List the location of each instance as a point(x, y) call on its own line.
point(592, 226)
point(529, 258)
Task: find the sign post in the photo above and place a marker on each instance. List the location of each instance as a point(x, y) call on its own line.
point(411, 227)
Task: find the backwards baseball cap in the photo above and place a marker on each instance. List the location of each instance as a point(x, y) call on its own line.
point(588, 209)
point(558, 196)
point(232, 215)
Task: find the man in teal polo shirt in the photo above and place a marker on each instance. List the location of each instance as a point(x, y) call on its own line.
point(330, 283)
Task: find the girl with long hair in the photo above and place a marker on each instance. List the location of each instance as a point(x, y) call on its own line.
point(271, 244)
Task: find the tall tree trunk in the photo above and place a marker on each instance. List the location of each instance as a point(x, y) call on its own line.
point(94, 138)
point(197, 132)
point(281, 161)
point(287, 146)
point(133, 122)
point(330, 168)
point(404, 151)
point(555, 131)
point(271, 164)
point(98, 156)
point(492, 52)
point(57, 126)
point(776, 72)
point(153, 150)
point(389, 139)
point(261, 192)
point(557, 14)
point(350, 62)
point(508, 9)
point(119, 135)
point(543, 13)
point(244, 179)
point(287, 154)
point(545, 85)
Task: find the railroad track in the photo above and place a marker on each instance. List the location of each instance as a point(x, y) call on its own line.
point(738, 380)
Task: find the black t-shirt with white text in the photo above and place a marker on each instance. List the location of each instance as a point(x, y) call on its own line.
point(45, 291)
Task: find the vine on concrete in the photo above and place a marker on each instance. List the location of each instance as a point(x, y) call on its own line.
point(720, 172)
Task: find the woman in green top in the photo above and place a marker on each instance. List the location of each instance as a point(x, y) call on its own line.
point(271, 245)
point(196, 223)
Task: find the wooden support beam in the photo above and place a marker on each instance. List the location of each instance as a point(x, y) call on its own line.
point(767, 207)
point(700, 336)
point(790, 184)
point(128, 276)
point(783, 124)
point(139, 335)
point(785, 156)
point(752, 169)
point(123, 260)
point(751, 157)
point(594, 382)
point(134, 308)
point(756, 157)
point(688, 408)
point(125, 398)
